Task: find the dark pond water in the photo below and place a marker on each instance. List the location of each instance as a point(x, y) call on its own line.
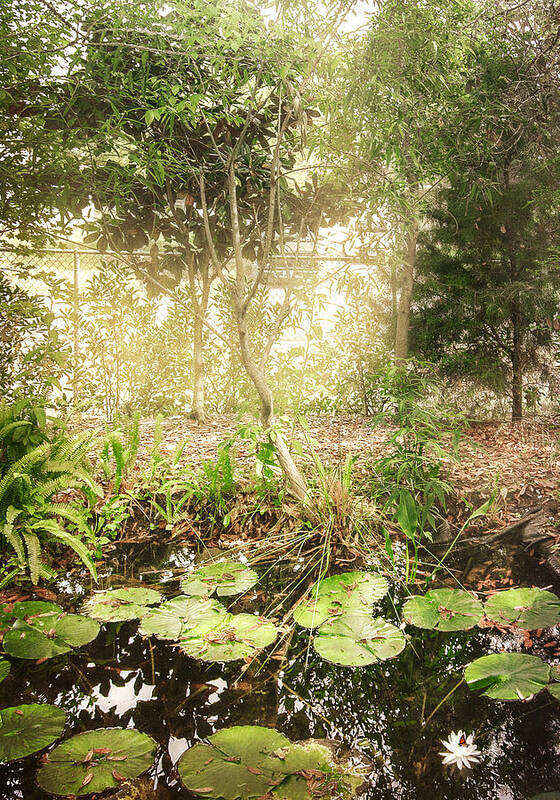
point(383, 712)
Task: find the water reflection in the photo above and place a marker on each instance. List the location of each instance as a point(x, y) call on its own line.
point(384, 711)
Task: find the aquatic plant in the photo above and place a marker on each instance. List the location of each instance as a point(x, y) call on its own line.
point(234, 636)
point(460, 750)
point(347, 592)
point(120, 605)
point(528, 608)
point(226, 578)
point(43, 630)
point(443, 609)
point(249, 761)
point(355, 640)
point(181, 616)
point(95, 761)
point(29, 728)
point(508, 676)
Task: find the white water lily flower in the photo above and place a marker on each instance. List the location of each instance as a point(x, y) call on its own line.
point(460, 750)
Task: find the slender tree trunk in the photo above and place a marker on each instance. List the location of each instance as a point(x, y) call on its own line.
point(200, 307)
point(516, 366)
point(405, 299)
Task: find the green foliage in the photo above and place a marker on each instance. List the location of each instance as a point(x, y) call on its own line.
point(443, 610)
point(226, 578)
point(528, 608)
point(183, 616)
point(45, 630)
point(91, 761)
point(508, 676)
point(120, 605)
point(31, 476)
point(119, 452)
point(249, 761)
point(27, 729)
point(235, 636)
point(408, 482)
point(356, 639)
point(348, 592)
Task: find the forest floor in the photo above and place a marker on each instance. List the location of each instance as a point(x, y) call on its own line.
point(519, 461)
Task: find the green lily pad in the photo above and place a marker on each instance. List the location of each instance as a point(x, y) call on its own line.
point(443, 610)
point(4, 669)
point(181, 616)
point(47, 633)
point(508, 676)
point(226, 578)
point(355, 640)
point(527, 608)
point(249, 761)
point(121, 605)
point(554, 689)
point(234, 636)
point(96, 760)
point(29, 728)
point(349, 591)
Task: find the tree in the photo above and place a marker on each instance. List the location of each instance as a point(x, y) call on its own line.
point(489, 261)
point(397, 129)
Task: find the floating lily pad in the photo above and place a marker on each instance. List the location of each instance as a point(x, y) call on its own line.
point(226, 578)
point(554, 689)
point(4, 669)
point(29, 728)
point(46, 632)
point(182, 615)
point(508, 676)
point(355, 640)
point(249, 761)
point(96, 760)
point(348, 592)
point(235, 636)
point(443, 610)
point(121, 605)
point(527, 608)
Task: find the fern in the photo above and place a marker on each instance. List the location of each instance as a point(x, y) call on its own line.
point(33, 555)
point(52, 527)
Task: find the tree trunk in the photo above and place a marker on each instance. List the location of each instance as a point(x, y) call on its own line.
point(405, 300)
point(516, 366)
point(197, 409)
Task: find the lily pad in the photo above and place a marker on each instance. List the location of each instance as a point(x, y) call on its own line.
point(29, 728)
point(338, 594)
point(226, 578)
point(235, 636)
point(554, 689)
point(355, 640)
point(46, 633)
point(181, 616)
point(508, 676)
point(95, 761)
point(249, 761)
point(528, 608)
point(121, 605)
point(4, 669)
point(443, 610)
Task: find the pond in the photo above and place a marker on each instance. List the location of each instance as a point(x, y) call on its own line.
point(390, 716)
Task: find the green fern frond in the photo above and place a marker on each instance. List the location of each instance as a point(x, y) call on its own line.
point(52, 527)
point(16, 541)
point(72, 513)
point(33, 555)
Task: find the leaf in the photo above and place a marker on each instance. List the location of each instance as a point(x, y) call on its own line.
point(247, 760)
point(4, 669)
point(181, 616)
point(226, 578)
point(27, 729)
point(43, 630)
point(235, 636)
point(121, 605)
point(68, 766)
point(443, 609)
point(407, 514)
point(355, 640)
point(528, 608)
point(508, 676)
point(349, 591)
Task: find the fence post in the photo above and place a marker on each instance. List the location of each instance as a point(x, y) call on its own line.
point(76, 330)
